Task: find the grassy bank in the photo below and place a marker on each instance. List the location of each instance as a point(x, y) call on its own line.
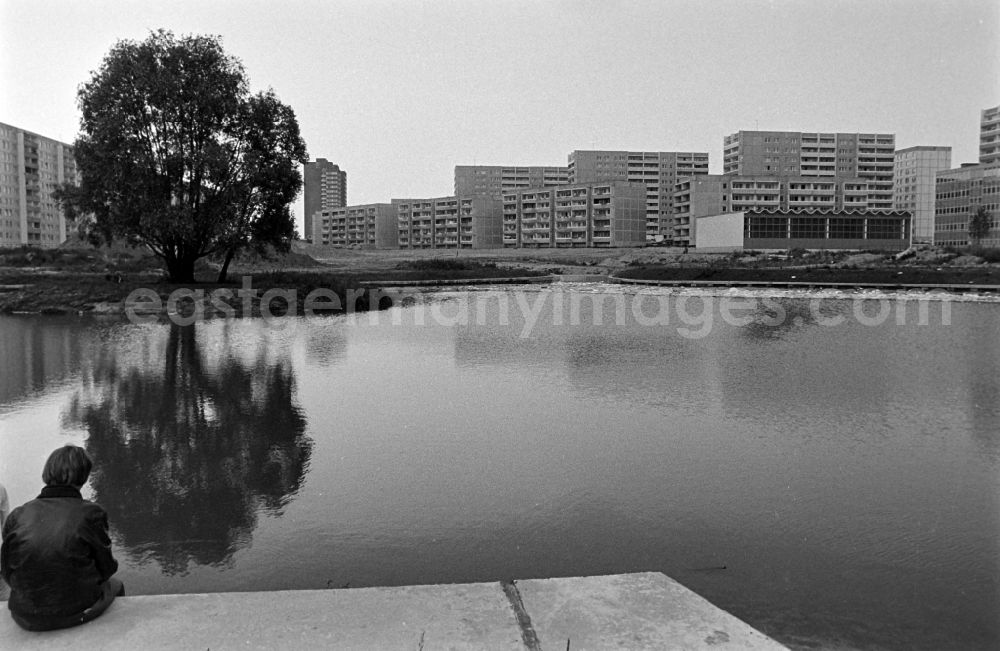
point(83, 282)
point(925, 265)
point(74, 280)
point(894, 275)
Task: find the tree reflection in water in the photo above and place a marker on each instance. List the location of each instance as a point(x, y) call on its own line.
point(186, 455)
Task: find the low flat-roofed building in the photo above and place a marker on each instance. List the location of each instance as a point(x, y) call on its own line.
point(610, 214)
point(370, 226)
point(455, 222)
point(716, 194)
point(809, 229)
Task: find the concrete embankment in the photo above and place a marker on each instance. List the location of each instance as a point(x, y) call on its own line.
point(798, 284)
point(513, 280)
point(627, 611)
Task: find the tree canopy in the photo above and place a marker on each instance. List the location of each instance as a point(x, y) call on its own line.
point(979, 225)
point(176, 153)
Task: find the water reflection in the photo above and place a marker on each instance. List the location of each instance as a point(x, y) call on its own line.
point(37, 354)
point(772, 319)
point(186, 453)
point(325, 343)
point(984, 385)
point(846, 476)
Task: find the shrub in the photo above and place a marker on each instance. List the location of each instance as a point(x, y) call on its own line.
point(25, 256)
point(447, 264)
point(991, 255)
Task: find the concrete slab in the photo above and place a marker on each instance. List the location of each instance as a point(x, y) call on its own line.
point(631, 611)
point(467, 616)
point(581, 278)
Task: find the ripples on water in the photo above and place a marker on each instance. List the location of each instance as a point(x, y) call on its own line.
point(846, 477)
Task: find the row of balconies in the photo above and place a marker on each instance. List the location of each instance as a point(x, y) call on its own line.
point(813, 187)
point(755, 193)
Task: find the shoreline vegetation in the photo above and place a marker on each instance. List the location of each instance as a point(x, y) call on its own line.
point(78, 280)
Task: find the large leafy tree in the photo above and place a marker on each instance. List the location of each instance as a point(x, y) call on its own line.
point(979, 225)
point(176, 153)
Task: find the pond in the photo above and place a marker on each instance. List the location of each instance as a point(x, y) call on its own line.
point(824, 466)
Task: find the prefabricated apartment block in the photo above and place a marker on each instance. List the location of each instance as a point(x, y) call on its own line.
point(448, 223)
point(577, 215)
point(658, 170)
point(369, 226)
point(868, 156)
point(960, 193)
point(493, 180)
point(31, 168)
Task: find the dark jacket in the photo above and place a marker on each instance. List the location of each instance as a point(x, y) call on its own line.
point(56, 554)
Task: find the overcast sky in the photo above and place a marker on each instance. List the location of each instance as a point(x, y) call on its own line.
point(399, 92)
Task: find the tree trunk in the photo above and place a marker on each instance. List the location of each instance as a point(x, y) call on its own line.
point(225, 266)
point(181, 270)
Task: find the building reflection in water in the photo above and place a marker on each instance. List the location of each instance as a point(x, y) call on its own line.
point(187, 452)
point(794, 360)
point(38, 353)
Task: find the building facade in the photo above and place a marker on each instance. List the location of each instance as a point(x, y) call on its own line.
point(493, 180)
point(658, 171)
point(325, 188)
point(781, 229)
point(914, 185)
point(694, 197)
point(868, 156)
point(608, 214)
point(960, 192)
point(31, 168)
point(717, 194)
point(367, 226)
point(989, 136)
point(448, 223)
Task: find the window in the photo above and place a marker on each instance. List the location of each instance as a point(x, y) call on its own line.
point(846, 229)
point(808, 227)
point(766, 227)
point(885, 229)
